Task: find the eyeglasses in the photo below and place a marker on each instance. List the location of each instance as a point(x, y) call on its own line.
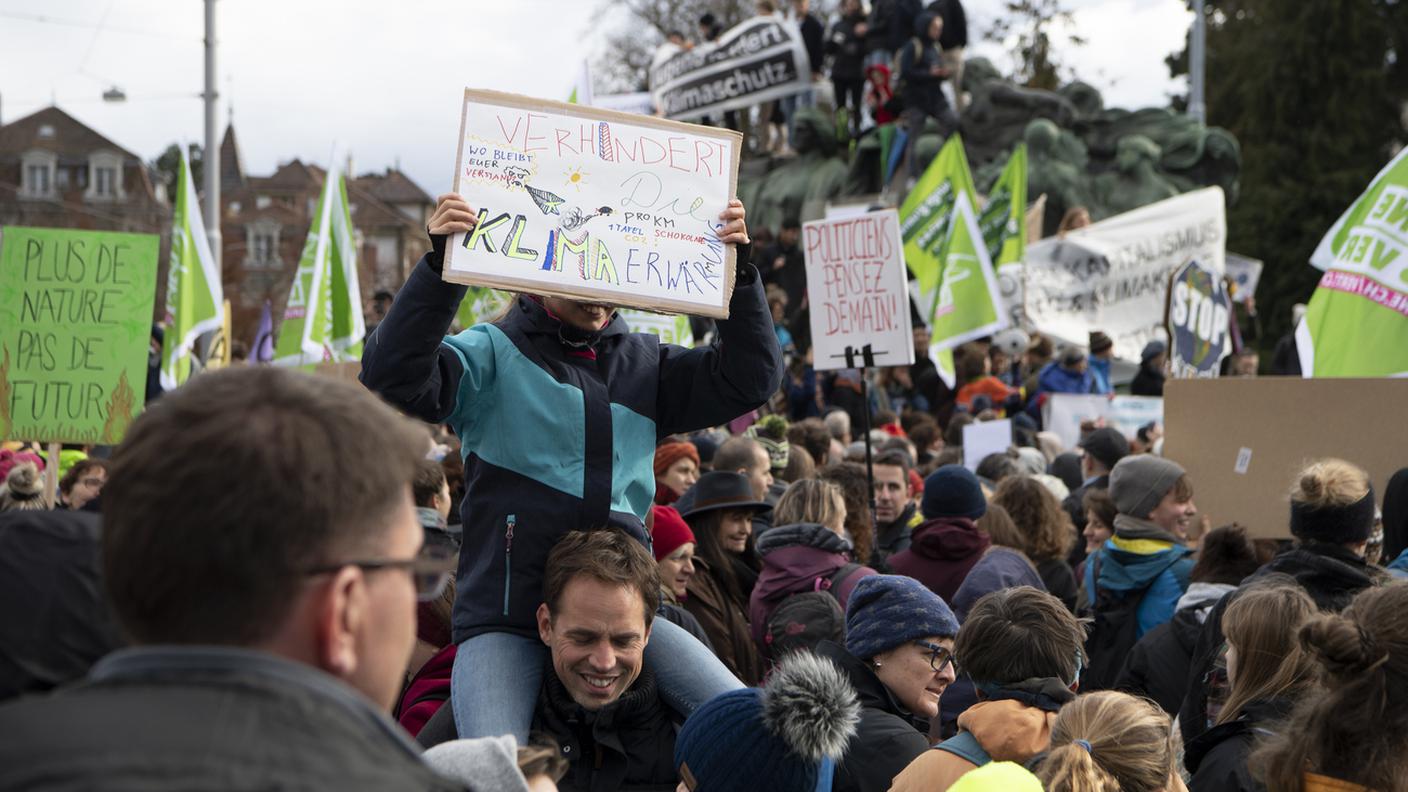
point(431, 571)
point(938, 656)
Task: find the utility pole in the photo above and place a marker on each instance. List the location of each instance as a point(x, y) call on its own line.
point(1197, 50)
point(211, 161)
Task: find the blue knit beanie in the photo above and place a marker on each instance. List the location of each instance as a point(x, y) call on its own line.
point(886, 611)
point(953, 491)
point(784, 737)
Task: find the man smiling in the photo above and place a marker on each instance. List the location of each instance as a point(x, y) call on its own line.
point(600, 595)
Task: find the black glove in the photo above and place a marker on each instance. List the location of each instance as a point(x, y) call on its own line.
point(744, 273)
point(436, 257)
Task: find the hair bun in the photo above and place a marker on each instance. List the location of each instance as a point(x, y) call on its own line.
point(1340, 645)
point(1311, 486)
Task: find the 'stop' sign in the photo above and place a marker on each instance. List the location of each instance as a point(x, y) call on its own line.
point(594, 205)
point(1198, 313)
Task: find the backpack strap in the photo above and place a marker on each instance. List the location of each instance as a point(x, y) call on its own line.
point(965, 746)
point(840, 576)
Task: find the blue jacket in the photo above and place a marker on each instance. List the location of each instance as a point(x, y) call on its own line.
point(553, 441)
point(1055, 379)
point(1100, 369)
point(1132, 567)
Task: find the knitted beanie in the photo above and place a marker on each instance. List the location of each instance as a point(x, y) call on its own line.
point(1139, 482)
point(1099, 342)
point(670, 453)
point(670, 531)
point(481, 763)
point(953, 491)
point(782, 737)
point(885, 611)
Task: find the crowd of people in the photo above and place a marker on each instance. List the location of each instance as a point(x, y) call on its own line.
point(882, 62)
point(595, 561)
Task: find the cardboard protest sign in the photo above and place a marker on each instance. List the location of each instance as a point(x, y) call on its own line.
point(984, 438)
point(1243, 440)
point(856, 287)
point(670, 329)
point(75, 330)
point(1198, 311)
point(1063, 413)
point(761, 59)
point(1245, 274)
point(594, 205)
point(1113, 275)
point(1356, 324)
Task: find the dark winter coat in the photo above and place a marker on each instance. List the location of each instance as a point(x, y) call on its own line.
point(725, 621)
point(847, 50)
point(798, 559)
point(1124, 566)
point(923, 90)
point(941, 554)
point(54, 616)
point(899, 20)
point(814, 40)
point(1148, 382)
point(1218, 757)
point(886, 740)
point(205, 717)
point(1059, 580)
point(1157, 668)
point(627, 745)
point(556, 438)
point(1330, 574)
point(999, 568)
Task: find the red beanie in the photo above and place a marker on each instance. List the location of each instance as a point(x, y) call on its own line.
point(670, 453)
point(671, 531)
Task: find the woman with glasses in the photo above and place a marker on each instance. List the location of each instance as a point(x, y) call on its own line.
point(898, 657)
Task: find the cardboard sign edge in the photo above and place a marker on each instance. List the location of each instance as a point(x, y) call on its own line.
point(485, 96)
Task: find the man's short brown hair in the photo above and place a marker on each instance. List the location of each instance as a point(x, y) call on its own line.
point(1019, 633)
point(430, 477)
point(607, 555)
point(227, 491)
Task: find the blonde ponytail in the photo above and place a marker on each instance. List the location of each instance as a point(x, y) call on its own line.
point(1109, 742)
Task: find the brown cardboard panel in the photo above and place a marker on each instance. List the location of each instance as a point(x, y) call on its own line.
point(1276, 425)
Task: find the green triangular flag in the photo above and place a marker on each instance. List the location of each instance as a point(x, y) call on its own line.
point(1003, 220)
point(194, 299)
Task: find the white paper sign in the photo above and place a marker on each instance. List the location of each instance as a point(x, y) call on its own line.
point(1113, 275)
point(1064, 412)
point(856, 287)
point(594, 205)
point(1245, 273)
point(983, 438)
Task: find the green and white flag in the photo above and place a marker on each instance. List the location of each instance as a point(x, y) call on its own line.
point(1356, 324)
point(1004, 218)
point(927, 211)
point(194, 301)
point(323, 322)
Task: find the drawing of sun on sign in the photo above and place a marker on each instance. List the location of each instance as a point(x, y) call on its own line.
point(595, 205)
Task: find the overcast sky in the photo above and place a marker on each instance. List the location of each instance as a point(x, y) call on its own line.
point(384, 80)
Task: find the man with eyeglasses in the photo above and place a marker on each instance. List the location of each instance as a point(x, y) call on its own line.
point(261, 550)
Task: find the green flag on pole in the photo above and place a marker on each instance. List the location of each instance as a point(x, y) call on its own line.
point(966, 305)
point(928, 209)
point(194, 301)
point(1356, 324)
point(1004, 218)
point(323, 322)
point(480, 304)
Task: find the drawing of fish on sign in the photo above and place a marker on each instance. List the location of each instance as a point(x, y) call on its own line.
point(546, 201)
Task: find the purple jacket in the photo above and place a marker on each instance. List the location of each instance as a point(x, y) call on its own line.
point(798, 559)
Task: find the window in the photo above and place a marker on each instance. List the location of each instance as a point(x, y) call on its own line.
point(46, 131)
point(262, 245)
point(62, 176)
point(105, 182)
point(37, 179)
point(262, 202)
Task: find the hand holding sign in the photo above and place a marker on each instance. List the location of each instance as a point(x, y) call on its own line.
point(452, 216)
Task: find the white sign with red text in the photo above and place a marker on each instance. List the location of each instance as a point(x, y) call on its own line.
point(856, 290)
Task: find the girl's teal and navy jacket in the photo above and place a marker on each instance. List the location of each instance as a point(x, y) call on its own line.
point(556, 436)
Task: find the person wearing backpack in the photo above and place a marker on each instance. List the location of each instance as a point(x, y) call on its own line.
point(805, 552)
point(1136, 579)
point(1021, 647)
point(922, 73)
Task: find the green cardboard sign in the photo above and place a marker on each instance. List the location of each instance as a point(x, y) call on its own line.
point(75, 329)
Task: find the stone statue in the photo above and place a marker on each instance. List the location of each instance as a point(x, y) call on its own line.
point(800, 186)
point(1135, 181)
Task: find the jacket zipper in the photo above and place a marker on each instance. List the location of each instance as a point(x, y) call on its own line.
point(508, 556)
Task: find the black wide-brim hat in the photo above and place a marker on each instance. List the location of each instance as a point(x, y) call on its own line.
point(719, 490)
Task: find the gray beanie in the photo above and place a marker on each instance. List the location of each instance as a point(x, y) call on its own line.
point(481, 763)
point(1139, 482)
